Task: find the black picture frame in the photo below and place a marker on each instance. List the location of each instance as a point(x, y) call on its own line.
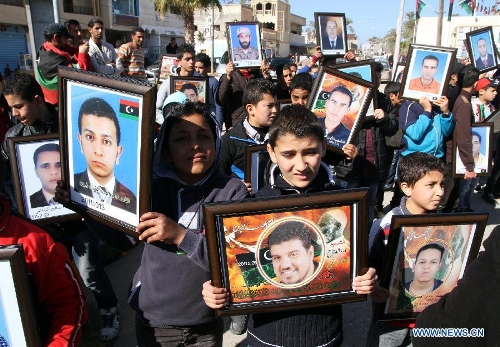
point(398, 73)
point(321, 20)
point(282, 103)
point(361, 93)
point(258, 166)
point(411, 84)
point(495, 119)
point(17, 312)
point(27, 183)
point(459, 235)
point(254, 52)
point(132, 103)
point(472, 45)
point(201, 84)
point(237, 236)
point(483, 167)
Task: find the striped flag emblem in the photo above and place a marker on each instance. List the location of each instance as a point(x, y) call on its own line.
point(129, 109)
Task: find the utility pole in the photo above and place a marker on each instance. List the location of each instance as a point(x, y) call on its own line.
point(440, 23)
point(397, 44)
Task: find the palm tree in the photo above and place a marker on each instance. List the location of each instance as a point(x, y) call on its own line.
point(311, 30)
point(186, 8)
point(350, 28)
point(407, 31)
point(390, 39)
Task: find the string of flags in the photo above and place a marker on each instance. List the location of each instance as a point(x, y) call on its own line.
point(468, 6)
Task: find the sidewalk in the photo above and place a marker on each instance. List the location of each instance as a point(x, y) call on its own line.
point(356, 317)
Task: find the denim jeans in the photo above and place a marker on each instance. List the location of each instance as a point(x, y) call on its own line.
point(465, 192)
point(87, 257)
point(206, 335)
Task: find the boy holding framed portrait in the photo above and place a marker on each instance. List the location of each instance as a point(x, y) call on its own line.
point(420, 177)
point(294, 133)
point(184, 167)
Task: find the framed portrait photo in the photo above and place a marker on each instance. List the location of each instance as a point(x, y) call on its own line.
point(427, 71)
point(168, 65)
point(248, 243)
point(35, 162)
point(363, 69)
point(282, 103)
point(398, 73)
point(258, 166)
point(106, 146)
point(17, 314)
point(244, 44)
point(331, 33)
point(340, 101)
point(495, 119)
point(426, 256)
point(482, 151)
point(482, 50)
point(195, 88)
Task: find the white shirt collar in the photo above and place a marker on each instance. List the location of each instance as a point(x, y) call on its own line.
point(110, 187)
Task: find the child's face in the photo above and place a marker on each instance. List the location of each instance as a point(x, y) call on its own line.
point(488, 94)
point(394, 99)
point(262, 114)
point(299, 159)
point(191, 147)
point(25, 111)
point(299, 96)
point(426, 194)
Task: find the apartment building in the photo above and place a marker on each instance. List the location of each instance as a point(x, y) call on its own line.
point(22, 23)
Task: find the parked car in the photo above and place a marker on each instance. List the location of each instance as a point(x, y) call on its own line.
point(152, 70)
point(275, 62)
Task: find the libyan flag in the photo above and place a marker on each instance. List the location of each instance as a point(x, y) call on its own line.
point(467, 6)
point(419, 5)
point(129, 109)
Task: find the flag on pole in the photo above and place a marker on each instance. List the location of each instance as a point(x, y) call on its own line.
point(419, 5)
point(450, 10)
point(466, 5)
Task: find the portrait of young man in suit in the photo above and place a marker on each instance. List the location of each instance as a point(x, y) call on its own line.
point(47, 160)
point(332, 40)
point(99, 137)
point(484, 59)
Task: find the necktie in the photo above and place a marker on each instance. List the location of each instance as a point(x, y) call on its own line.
point(485, 62)
point(103, 193)
point(333, 44)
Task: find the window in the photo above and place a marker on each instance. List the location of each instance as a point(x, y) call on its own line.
point(126, 7)
point(269, 6)
point(258, 8)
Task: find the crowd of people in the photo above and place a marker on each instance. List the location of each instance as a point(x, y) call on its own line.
point(404, 146)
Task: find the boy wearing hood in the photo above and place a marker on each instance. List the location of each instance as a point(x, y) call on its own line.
point(175, 257)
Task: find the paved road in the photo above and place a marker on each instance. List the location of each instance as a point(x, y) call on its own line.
point(356, 316)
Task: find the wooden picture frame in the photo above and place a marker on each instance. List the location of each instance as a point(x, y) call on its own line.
point(326, 25)
point(354, 95)
point(128, 157)
point(248, 53)
point(482, 133)
point(18, 325)
point(364, 69)
point(35, 182)
point(334, 226)
point(482, 40)
point(458, 238)
point(200, 93)
point(427, 63)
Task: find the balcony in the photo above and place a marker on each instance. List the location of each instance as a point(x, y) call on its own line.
point(69, 7)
